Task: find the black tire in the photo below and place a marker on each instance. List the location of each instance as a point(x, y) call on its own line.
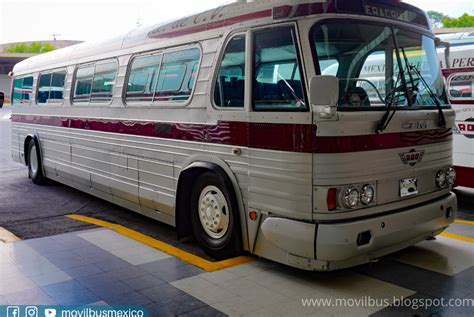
point(35, 170)
point(230, 244)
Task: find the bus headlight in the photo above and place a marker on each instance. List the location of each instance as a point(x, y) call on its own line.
point(451, 176)
point(351, 197)
point(367, 194)
point(441, 179)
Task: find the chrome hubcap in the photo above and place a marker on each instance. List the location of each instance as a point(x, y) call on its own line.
point(213, 212)
point(33, 160)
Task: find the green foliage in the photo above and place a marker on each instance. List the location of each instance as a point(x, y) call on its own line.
point(437, 18)
point(31, 48)
point(464, 21)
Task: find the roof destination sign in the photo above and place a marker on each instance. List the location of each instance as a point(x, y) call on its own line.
point(384, 9)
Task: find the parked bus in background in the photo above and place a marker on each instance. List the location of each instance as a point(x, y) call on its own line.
point(458, 70)
point(229, 125)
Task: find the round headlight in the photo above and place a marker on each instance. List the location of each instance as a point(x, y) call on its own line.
point(441, 179)
point(351, 197)
point(367, 194)
point(451, 176)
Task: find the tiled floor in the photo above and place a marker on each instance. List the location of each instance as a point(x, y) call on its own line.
point(94, 266)
point(101, 266)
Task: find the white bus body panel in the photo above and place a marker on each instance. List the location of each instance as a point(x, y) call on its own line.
point(286, 189)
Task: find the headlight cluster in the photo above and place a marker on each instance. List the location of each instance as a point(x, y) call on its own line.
point(445, 177)
point(353, 196)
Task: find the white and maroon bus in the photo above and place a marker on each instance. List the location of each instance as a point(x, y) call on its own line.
point(460, 81)
point(228, 125)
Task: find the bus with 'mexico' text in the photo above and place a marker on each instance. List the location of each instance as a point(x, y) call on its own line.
point(253, 127)
point(458, 69)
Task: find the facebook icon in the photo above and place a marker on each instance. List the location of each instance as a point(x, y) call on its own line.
point(13, 311)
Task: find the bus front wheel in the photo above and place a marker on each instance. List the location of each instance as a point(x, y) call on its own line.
point(214, 216)
point(35, 171)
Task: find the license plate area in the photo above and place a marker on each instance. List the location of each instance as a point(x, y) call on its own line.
point(408, 187)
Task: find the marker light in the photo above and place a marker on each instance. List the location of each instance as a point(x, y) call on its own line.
point(253, 215)
point(281, 12)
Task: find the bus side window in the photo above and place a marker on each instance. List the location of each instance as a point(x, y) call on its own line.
point(142, 78)
point(277, 78)
point(229, 89)
point(16, 94)
point(44, 85)
point(83, 84)
point(22, 90)
point(56, 94)
point(175, 68)
point(104, 82)
point(461, 86)
point(51, 88)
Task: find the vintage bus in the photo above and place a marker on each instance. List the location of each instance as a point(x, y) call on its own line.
point(459, 74)
point(227, 125)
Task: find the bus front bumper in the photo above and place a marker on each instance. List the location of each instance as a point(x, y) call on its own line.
point(332, 246)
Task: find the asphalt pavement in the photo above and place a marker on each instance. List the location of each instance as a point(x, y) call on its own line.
point(31, 211)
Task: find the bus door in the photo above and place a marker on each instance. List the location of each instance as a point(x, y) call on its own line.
point(280, 125)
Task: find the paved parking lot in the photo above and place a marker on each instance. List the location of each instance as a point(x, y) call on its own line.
point(68, 261)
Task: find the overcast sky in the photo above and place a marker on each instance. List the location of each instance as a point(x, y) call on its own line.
point(30, 20)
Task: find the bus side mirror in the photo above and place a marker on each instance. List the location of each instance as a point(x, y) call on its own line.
point(2, 99)
point(324, 95)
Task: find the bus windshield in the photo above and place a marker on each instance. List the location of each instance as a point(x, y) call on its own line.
point(379, 66)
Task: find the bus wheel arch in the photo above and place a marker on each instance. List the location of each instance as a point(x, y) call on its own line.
point(189, 178)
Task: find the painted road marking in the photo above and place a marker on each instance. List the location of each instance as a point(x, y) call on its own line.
point(7, 237)
point(457, 237)
point(165, 247)
point(11, 169)
point(465, 222)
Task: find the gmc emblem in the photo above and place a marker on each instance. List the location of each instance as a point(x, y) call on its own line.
point(412, 157)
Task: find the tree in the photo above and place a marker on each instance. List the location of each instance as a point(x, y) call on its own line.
point(437, 18)
point(464, 21)
point(32, 48)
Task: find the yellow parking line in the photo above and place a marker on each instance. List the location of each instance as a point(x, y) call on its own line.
point(464, 222)
point(457, 237)
point(165, 247)
point(7, 237)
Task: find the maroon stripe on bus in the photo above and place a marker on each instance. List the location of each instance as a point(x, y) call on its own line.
point(272, 136)
point(346, 144)
point(464, 176)
point(462, 102)
point(449, 71)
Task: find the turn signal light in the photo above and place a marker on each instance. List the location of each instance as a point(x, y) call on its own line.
point(332, 199)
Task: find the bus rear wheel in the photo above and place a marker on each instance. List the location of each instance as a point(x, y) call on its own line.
point(35, 171)
point(214, 217)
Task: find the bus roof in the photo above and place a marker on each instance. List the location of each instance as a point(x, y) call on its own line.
point(217, 21)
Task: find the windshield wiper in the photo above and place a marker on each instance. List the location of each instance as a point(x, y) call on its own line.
point(441, 118)
point(414, 87)
point(383, 124)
